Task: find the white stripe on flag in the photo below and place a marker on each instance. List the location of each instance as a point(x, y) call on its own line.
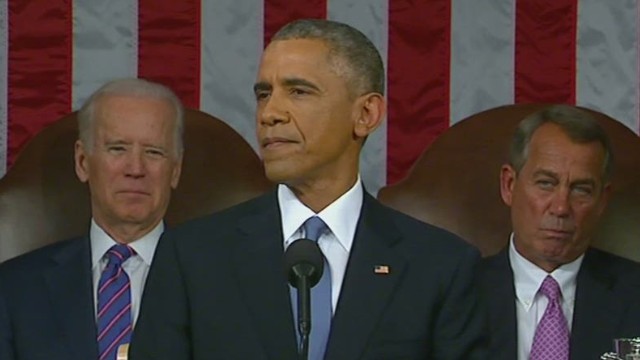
point(371, 18)
point(4, 75)
point(607, 59)
point(105, 44)
point(232, 33)
point(482, 56)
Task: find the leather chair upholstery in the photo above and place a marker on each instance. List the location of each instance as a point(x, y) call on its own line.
point(455, 183)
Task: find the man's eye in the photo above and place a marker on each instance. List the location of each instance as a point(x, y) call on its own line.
point(545, 184)
point(155, 152)
point(116, 149)
point(298, 91)
point(583, 190)
point(261, 95)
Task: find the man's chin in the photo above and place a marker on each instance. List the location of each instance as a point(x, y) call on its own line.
point(279, 174)
point(557, 256)
point(134, 216)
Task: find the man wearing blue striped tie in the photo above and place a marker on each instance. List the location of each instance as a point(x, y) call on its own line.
point(79, 299)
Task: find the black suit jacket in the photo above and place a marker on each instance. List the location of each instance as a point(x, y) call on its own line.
point(217, 290)
point(607, 304)
point(46, 304)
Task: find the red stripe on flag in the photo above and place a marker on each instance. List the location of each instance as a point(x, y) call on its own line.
point(418, 80)
point(277, 13)
point(169, 46)
point(545, 58)
point(38, 68)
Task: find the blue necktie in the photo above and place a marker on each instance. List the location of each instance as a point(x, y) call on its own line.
point(321, 313)
point(114, 304)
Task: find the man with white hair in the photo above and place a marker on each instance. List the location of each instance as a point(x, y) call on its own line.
point(79, 299)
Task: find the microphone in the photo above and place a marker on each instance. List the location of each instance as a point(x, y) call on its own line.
point(303, 264)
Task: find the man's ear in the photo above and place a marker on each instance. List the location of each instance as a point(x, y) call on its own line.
point(507, 183)
point(605, 196)
point(177, 171)
point(370, 109)
point(82, 165)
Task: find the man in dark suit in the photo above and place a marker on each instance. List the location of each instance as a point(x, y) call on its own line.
point(557, 184)
point(79, 299)
point(400, 288)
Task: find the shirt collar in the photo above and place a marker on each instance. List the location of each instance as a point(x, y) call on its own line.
point(144, 247)
point(528, 277)
point(341, 216)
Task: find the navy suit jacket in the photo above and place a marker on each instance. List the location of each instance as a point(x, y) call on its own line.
point(46, 304)
point(607, 304)
point(217, 290)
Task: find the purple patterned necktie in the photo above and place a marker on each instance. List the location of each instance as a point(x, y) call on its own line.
point(114, 304)
point(551, 340)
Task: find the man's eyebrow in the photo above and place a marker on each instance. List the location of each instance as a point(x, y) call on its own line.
point(261, 86)
point(299, 82)
point(115, 142)
point(584, 181)
point(288, 82)
point(543, 172)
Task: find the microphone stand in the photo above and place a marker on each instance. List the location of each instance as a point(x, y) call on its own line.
point(304, 316)
point(304, 265)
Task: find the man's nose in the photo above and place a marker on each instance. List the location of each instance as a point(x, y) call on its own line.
point(136, 164)
point(273, 111)
point(561, 203)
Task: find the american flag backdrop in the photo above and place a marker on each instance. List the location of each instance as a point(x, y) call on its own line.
point(445, 60)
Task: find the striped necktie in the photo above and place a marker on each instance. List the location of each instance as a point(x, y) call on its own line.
point(114, 303)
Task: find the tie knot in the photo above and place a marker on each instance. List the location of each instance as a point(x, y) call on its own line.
point(550, 288)
point(118, 254)
point(314, 227)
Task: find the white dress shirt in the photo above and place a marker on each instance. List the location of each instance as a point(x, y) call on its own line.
point(341, 218)
point(136, 267)
point(530, 305)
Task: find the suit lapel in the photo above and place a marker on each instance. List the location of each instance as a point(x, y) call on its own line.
point(597, 309)
point(69, 284)
point(501, 297)
point(259, 267)
point(364, 293)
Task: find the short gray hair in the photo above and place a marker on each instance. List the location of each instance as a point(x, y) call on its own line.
point(362, 59)
point(577, 124)
point(130, 87)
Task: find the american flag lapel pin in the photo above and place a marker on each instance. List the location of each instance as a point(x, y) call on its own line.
point(381, 269)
